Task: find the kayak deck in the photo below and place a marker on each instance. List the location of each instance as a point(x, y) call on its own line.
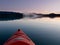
point(19, 38)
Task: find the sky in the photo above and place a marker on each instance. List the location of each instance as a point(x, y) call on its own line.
point(31, 6)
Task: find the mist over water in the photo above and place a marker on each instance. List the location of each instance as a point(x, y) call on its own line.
point(43, 31)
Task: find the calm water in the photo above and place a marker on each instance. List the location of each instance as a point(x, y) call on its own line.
point(43, 31)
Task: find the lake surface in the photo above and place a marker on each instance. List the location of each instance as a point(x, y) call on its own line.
point(43, 31)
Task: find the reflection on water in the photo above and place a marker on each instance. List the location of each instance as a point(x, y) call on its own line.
point(10, 18)
point(44, 31)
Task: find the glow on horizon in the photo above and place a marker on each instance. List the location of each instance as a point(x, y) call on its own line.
point(31, 6)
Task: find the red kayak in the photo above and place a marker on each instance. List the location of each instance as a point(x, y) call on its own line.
point(19, 38)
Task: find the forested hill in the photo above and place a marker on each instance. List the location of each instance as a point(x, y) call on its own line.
point(5, 14)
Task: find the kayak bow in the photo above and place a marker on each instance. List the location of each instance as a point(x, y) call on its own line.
point(19, 38)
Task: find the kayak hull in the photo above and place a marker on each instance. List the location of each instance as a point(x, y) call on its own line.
point(19, 38)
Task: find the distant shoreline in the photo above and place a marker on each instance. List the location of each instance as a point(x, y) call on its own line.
point(4, 15)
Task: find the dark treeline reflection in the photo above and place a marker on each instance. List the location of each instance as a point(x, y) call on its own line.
point(36, 15)
point(52, 15)
point(5, 16)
